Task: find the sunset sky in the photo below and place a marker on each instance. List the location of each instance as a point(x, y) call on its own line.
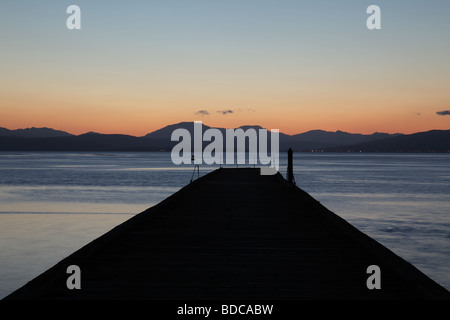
point(136, 66)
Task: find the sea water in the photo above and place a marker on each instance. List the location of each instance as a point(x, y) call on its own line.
point(53, 203)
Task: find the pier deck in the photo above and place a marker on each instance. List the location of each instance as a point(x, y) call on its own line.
point(234, 234)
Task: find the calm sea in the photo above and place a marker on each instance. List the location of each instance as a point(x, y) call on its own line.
point(51, 204)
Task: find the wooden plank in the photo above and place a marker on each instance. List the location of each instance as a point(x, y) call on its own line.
point(234, 234)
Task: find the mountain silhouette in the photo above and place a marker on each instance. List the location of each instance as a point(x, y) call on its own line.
point(46, 139)
point(339, 137)
point(166, 132)
point(429, 141)
point(34, 133)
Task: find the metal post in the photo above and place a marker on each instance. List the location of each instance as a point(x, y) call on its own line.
point(198, 172)
point(290, 168)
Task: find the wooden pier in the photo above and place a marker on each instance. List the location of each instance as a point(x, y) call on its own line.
point(234, 234)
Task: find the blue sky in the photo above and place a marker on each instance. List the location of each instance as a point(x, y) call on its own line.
point(307, 58)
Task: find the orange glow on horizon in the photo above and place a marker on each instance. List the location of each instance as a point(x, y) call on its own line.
point(160, 66)
point(138, 117)
point(140, 126)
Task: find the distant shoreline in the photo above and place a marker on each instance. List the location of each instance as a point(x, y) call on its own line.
point(46, 139)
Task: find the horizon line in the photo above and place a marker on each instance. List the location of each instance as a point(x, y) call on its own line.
point(216, 127)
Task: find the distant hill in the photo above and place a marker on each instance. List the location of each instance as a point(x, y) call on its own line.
point(339, 138)
point(320, 139)
point(46, 139)
point(429, 141)
point(166, 132)
point(315, 139)
point(34, 133)
point(84, 142)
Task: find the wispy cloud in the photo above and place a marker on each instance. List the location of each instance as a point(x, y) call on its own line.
point(225, 112)
point(202, 113)
point(443, 113)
